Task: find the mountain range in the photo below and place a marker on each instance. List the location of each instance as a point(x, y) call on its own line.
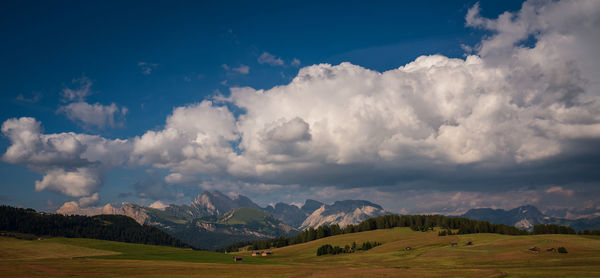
point(525, 217)
point(214, 220)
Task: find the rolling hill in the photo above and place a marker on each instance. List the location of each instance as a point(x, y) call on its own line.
point(490, 254)
point(430, 255)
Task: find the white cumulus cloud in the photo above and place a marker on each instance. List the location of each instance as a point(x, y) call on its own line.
point(196, 138)
point(79, 182)
point(433, 113)
point(72, 164)
point(96, 114)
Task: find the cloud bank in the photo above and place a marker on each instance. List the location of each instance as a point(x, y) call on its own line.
point(512, 107)
point(72, 164)
point(509, 106)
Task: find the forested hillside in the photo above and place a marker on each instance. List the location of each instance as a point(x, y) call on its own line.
point(106, 227)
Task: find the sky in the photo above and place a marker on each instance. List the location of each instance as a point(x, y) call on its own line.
point(420, 106)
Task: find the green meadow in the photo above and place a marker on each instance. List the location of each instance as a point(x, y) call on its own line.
point(430, 255)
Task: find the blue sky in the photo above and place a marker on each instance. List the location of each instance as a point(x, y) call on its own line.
point(151, 58)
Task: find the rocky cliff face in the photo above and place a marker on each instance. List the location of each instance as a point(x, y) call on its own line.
point(343, 213)
point(71, 208)
point(138, 213)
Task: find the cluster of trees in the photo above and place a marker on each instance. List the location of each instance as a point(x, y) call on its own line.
point(552, 229)
point(475, 227)
point(368, 245)
point(589, 232)
point(422, 228)
point(106, 227)
point(415, 222)
point(329, 249)
point(562, 250)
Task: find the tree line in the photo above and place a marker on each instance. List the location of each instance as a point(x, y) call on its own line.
point(105, 227)
point(589, 232)
point(416, 222)
point(552, 229)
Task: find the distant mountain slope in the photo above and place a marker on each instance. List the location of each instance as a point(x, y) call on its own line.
point(343, 213)
point(239, 224)
point(247, 216)
point(106, 227)
point(288, 214)
point(202, 225)
point(214, 220)
point(310, 206)
point(525, 217)
point(580, 224)
point(215, 203)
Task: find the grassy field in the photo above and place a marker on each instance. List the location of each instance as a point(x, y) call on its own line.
point(491, 255)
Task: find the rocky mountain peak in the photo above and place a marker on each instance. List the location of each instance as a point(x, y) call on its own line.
point(310, 206)
point(215, 203)
point(243, 201)
point(528, 210)
point(342, 213)
point(138, 213)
